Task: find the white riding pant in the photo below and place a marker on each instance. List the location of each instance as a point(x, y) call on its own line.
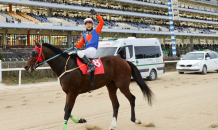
point(89, 52)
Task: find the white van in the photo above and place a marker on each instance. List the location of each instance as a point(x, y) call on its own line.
point(145, 53)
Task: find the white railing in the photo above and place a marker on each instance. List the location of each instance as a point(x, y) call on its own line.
point(39, 68)
point(14, 58)
point(17, 69)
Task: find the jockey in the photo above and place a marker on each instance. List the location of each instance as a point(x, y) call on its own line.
point(90, 38)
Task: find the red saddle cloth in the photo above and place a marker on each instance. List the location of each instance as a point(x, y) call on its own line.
point(99, 68)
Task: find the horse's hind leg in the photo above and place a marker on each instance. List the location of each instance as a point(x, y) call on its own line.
point(125, 90)
point(112, 89)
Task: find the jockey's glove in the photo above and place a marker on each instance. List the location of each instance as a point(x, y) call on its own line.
point(93, 12)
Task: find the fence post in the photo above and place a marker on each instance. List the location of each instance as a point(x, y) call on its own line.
point(19, 77)
point(0, 71)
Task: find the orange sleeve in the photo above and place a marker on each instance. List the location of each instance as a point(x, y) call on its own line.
point(81, 42)
point(100, 25)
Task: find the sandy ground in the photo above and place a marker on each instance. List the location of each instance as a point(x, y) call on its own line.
point(183, 102)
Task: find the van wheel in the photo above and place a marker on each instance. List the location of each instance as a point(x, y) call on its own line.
point(153, 75)
point(181, 72)
point(204, 70)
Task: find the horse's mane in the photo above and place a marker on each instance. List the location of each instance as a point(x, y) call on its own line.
point(58, 51)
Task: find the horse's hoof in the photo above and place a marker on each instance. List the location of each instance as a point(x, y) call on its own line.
point(138, 122)
point(111, 127)
point(82, 121)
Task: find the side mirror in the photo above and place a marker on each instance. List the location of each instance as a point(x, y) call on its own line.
point(208, 58)
point(120, 50)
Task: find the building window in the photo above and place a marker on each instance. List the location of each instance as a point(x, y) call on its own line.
point(22, 40)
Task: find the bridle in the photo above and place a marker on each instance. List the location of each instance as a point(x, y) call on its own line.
point(38, 55)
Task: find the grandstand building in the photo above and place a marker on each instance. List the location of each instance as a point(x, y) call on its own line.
point(60, 22)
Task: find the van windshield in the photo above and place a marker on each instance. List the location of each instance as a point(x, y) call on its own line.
point(105, 51)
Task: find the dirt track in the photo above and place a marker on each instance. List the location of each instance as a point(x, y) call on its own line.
point(183, 102)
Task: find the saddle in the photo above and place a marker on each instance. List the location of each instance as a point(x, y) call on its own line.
point(75, 56)
point(97, 63)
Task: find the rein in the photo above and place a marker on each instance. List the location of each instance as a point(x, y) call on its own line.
point(37, 65)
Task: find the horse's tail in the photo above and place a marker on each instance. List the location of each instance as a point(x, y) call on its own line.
point(139, 80)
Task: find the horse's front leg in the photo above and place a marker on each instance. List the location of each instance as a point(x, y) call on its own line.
point(70, 101)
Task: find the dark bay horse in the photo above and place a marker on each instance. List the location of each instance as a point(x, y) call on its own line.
point(118, 74)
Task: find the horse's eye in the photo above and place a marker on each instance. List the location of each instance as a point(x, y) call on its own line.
point(34, 53)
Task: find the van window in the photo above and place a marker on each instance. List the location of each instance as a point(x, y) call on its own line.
point(105, 51)
point(130, 51)
point(126, 52)
point(147, 52)
point(139, 53)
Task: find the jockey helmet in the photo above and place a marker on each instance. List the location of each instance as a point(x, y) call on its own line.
point(88, 20)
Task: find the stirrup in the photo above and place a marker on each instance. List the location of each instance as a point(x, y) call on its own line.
point(91, 70)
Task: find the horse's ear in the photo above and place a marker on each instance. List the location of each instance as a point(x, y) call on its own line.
point(37, 44)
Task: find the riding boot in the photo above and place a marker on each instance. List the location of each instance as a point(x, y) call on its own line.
point(91, 67)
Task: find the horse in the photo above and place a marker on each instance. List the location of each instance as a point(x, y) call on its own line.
point(118, 73)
